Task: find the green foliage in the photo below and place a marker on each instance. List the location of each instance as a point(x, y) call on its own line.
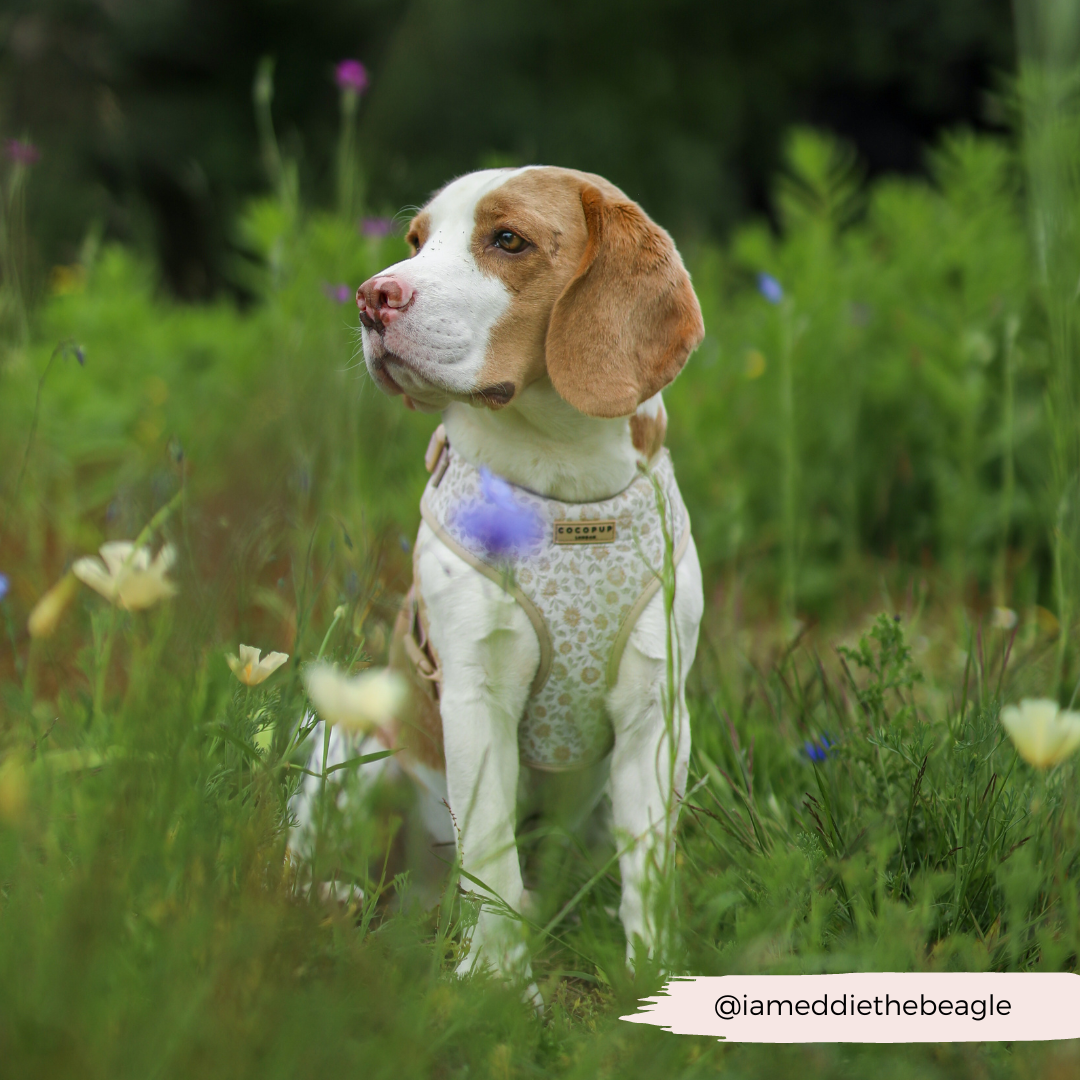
point(861, 811)
point(901, 319)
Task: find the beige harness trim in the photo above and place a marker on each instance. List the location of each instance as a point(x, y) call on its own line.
point(632, 616)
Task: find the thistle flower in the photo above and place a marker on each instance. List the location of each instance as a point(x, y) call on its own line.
point(355, 702)
point(351, 76)
point(1043, 734)
point(498, 521)
point(770, 288)
point(340, 294)
point(376, 227)
point(47, 611)
point(125, 575)
point(21, 152)
point(250, 670)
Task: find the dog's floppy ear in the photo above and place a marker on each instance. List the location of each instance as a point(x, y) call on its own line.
point(625, 324)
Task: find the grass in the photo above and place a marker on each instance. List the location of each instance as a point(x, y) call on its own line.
point(878, 442)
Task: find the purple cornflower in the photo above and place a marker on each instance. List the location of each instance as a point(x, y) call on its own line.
point(498, 521)
point(376, 227)
point(5, 585)
point(22, 152)
point(340, 294)
point(770, 288)
point(818, 749)
point(351, 75)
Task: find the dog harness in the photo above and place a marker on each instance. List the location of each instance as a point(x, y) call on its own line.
point(583, 587)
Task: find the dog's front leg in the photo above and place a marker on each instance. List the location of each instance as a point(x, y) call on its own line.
point(489, 654)
point(650, 758)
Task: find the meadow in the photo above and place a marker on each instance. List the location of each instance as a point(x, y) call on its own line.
point(877, 444)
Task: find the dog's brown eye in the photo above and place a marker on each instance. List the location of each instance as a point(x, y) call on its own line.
point(509, 241)
point(414, 243)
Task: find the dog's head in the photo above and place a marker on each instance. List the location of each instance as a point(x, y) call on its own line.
point(520, 273)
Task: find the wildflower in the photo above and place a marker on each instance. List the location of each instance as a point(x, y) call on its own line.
point(1044, 734)
point(1003, 618)
point(770, 288)
point(127, 577)
point(5, 585)
point(376, 227)
point(340, 294)
point(250, 670)
point(818, 749)
point(351, 76)
point(66, 280)
point(21, 152)
point(14, 789)
point(755, 364)
point(498, 521)
point(47, 611)
point(359, 702)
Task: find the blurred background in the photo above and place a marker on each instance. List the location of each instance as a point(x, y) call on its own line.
point(880, 209)
point(142, 110)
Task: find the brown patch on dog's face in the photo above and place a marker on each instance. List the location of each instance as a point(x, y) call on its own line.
point(530, 233)
point(419, 230)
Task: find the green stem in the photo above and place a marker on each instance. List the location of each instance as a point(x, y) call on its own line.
point(1008, 484)
point(346, 179)
point(338, 615)
point(105, 654)
point(788, 457)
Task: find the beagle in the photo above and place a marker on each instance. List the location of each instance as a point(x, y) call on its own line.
point(541, 313)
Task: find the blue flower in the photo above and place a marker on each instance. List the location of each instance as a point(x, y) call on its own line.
point(5, 585)
point(498, 521)
point(818, 749)
point(770, 288)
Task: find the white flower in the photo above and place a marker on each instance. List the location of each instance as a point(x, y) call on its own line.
point(1043, 734)
point(250, 670)
point(358, 703)
point(1003, 618)
point(127, 577)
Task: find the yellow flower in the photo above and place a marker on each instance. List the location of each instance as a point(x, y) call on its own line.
point(1043, 734)
point(358, 703)
point(250, 670)
point(47, 611)
point(14, 789)
point(127, 577)
point(755, 364)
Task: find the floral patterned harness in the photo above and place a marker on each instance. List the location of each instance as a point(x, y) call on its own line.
point(583, 588)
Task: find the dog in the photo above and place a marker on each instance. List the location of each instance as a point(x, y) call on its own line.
point(542, 312)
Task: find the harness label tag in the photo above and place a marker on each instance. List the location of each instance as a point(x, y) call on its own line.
point(585, 532)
